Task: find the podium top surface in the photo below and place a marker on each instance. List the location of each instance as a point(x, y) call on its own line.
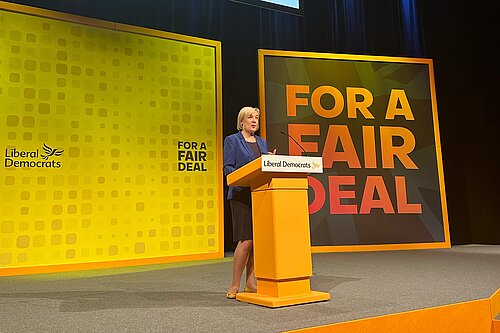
point(266, 167)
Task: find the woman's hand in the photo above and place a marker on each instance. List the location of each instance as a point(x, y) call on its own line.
point(272, 152)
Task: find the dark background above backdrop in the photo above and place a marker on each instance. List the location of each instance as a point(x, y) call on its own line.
point(460, 38)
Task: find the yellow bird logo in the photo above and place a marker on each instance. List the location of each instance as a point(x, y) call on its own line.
point(51, 152)
point(315, 165)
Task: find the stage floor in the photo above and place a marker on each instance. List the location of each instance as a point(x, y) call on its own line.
point(190, 297)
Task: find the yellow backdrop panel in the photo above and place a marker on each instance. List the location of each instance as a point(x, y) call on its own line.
point(109, 143)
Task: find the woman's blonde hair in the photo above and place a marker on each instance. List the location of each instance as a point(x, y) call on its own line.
point(245, 112)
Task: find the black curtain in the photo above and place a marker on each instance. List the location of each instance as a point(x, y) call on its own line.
point(459, 37)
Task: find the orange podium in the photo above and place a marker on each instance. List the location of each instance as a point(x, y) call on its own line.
point(282, 245)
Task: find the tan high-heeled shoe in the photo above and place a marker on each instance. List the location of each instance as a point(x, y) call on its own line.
point(231, 294)
point(250, 290)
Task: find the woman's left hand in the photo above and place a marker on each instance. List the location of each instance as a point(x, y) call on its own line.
point(272, 152)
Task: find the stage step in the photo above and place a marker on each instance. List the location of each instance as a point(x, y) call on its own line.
point(479, 316)
point(495, 326)
point(495, 312)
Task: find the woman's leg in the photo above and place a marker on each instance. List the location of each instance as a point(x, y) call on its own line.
point(250, 282)
point(240, 258)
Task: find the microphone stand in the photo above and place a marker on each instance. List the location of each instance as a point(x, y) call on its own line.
point(298, 144)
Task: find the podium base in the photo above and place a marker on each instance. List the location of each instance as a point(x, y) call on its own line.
point(276, 302)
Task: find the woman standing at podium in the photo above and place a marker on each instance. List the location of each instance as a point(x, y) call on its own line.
point(239, 149)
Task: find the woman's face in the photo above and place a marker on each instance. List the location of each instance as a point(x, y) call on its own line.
point(251, 122)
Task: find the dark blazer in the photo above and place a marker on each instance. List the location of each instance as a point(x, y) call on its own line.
point(237, 153)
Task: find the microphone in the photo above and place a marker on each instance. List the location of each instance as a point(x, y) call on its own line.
point(298, 144)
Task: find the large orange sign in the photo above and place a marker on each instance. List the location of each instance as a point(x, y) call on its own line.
point(373, 120)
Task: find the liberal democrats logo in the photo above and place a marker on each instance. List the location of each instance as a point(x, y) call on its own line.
point(290, 163)
point(315, 165)
point(51, 152)
point(16, 158)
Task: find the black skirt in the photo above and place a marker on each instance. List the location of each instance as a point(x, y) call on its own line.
point(241, 213)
